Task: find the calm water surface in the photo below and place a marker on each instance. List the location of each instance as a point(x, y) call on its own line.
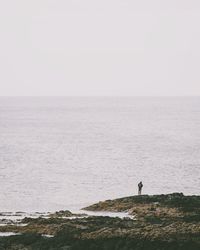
point(64, 153)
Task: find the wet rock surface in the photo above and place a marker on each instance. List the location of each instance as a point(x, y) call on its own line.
point(160, 222)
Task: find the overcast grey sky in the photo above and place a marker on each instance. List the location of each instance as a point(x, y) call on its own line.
point(104, 47)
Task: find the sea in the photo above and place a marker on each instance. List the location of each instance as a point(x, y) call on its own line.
point(59, 153)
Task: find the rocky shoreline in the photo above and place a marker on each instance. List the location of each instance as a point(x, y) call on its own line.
point(164, 222)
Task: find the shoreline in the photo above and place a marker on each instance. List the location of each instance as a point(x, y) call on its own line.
point(158, 220)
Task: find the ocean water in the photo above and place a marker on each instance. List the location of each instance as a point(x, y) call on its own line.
point(68, 152)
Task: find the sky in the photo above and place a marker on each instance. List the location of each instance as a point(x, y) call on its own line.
point(105, 47)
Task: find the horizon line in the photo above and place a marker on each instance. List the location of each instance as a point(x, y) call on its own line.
point(114, 96)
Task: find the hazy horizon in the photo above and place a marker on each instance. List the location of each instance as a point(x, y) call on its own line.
point(93, 96)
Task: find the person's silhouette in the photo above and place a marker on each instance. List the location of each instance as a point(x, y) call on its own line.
point(140, 185)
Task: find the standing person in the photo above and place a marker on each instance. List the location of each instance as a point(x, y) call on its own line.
point(140, 185)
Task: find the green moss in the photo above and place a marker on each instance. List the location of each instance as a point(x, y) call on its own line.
point(164, 222)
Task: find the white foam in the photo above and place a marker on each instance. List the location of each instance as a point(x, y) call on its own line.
point(6, 234)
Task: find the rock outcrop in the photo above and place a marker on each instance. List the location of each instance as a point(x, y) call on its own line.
point(160, 222)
